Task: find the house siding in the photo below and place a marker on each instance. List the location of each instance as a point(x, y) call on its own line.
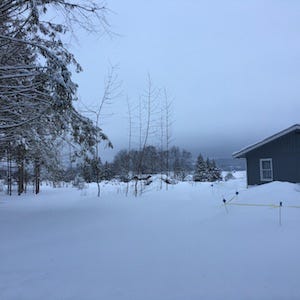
point(285, 154)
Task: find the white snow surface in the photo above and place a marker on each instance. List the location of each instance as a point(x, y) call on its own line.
point(67, 244)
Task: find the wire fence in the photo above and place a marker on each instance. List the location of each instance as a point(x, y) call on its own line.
point(279, 206)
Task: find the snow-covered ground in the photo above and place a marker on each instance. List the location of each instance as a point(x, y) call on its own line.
point(177, 244)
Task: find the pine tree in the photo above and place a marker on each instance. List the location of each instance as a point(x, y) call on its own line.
point(36, 86)
point(215, 172)
point(107, 171)
point(200, 173)
point(209, 170)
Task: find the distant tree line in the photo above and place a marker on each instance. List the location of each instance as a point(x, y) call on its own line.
point(177, 163)
point(127, 164)
point(125, 167)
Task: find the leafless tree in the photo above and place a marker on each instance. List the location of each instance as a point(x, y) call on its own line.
point(148, 109)
point(168, 139)
point(112, 90)
point(129, 111)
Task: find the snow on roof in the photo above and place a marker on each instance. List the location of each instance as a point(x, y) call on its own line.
point(241, 153)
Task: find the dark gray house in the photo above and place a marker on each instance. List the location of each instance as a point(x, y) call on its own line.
point(274, 158)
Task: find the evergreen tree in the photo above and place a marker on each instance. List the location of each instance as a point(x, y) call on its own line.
point(92, 169)
point(216, 173)
point(200, 173)
point(36, 86)
point(213, 172)
point(209, 170)
point(107, 171)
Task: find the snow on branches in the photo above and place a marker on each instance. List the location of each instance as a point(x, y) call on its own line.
point(36, 86)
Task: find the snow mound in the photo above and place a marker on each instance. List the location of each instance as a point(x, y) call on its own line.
point(181, 243)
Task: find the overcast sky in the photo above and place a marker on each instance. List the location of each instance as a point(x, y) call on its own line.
point(232, 67)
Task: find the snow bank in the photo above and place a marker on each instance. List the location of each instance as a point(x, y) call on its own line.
point(175, 244)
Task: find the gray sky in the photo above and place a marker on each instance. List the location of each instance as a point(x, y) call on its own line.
point(233, 68)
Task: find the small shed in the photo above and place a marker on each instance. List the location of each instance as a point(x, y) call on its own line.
point(276, 158)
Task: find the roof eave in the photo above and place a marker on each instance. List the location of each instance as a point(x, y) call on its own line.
point(242, 153)
point(239, 155)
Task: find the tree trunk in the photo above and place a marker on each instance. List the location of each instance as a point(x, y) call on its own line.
point(37, 175)
point(20, 177)
point(98, 187)
point(9, 179)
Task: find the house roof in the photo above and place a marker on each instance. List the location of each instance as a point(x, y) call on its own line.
point(241, 153)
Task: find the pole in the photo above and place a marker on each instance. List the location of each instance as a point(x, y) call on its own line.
point(224, 201)
point(280, 206)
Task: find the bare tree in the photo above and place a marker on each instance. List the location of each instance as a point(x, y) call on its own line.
point(162, 134)
point(168, 124)
point(112, 87)
point(129, 111)
point(150, 111)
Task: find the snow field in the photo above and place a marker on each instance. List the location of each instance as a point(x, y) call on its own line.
point(175, 244)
